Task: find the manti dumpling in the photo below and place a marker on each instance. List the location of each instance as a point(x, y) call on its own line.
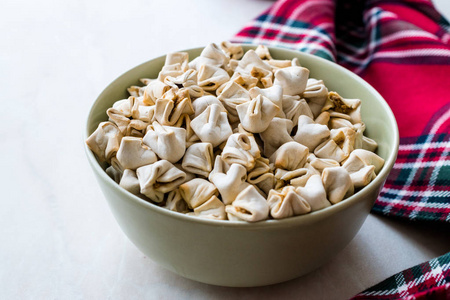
point(342, 105)
point(294, 107)
point(114, 171)
point(231, 96)
point(231, 182)
point(338, 184)
point(170, 71)
point(154, 90)
point(105, 141)
point(363, 142)
point(263, 52)
point(168, 111)
point(255, 115)
point(261, 175)
point(265, 77)
point(118, 117)
point(278, 133)
point(212, 126)
point(185, 122)
point(167, 142)
point(159, 178)
point(290, 156)
point(297, 177)
point(286, 203)
point(274, 94)
point(211, 77)
point(213, 208)
point(130, 182)
point(249, 206)
point(197, 191)
point(211, 55)
point(316, 93)
point(133, 153)
point(187, 79)
point(198, 159)
point(175, 202)
point(314, 192)
point(202, 103)
point(249, 61)
point(293, 80)
point(321, 163)
point(363, 166)
point(310, 133)
point(246, 81)
point(239, 149)
point(181, 58)
point(234, 51)
point(338, 146)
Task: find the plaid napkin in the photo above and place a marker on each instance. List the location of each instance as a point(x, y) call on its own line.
point(402, 48)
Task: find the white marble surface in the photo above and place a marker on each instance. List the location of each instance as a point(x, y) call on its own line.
point(58, 238)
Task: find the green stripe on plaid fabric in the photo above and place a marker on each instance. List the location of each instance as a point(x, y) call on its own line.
point(431, 278)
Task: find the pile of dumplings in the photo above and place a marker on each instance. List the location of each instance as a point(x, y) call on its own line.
point(236, 136)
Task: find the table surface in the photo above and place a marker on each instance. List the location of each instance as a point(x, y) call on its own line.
point(58, 238)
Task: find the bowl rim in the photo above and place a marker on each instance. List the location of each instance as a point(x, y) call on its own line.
point(271, 223)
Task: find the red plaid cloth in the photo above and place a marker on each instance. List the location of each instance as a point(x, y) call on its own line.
point(402, 48)
point(430, 280)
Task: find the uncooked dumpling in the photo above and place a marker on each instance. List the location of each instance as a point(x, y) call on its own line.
point(249, 206)
point(105, 141)
point(159, 178)
point(278, 133)
point(133, 153)
point(167, 142)
point(290, 156)
point(212, 126)
point(314, 192)
point(197, 191)
point(255, 115)
point(231, 182)
point(286, 203)
point(198, 159)
point(293, 80)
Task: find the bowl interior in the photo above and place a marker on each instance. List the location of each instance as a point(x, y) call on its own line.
point(376, 114)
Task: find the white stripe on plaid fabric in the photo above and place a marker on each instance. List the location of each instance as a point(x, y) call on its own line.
point(418, 146)
point(436, 272)
point(413, 204)
point(412, 53)
point(402, 287)
point(393, 54)
point(390, 38)
point(425, 164)
point(436, 194)
point(442, 119)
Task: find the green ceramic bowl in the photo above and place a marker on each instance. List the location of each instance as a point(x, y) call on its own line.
point(243, 254)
